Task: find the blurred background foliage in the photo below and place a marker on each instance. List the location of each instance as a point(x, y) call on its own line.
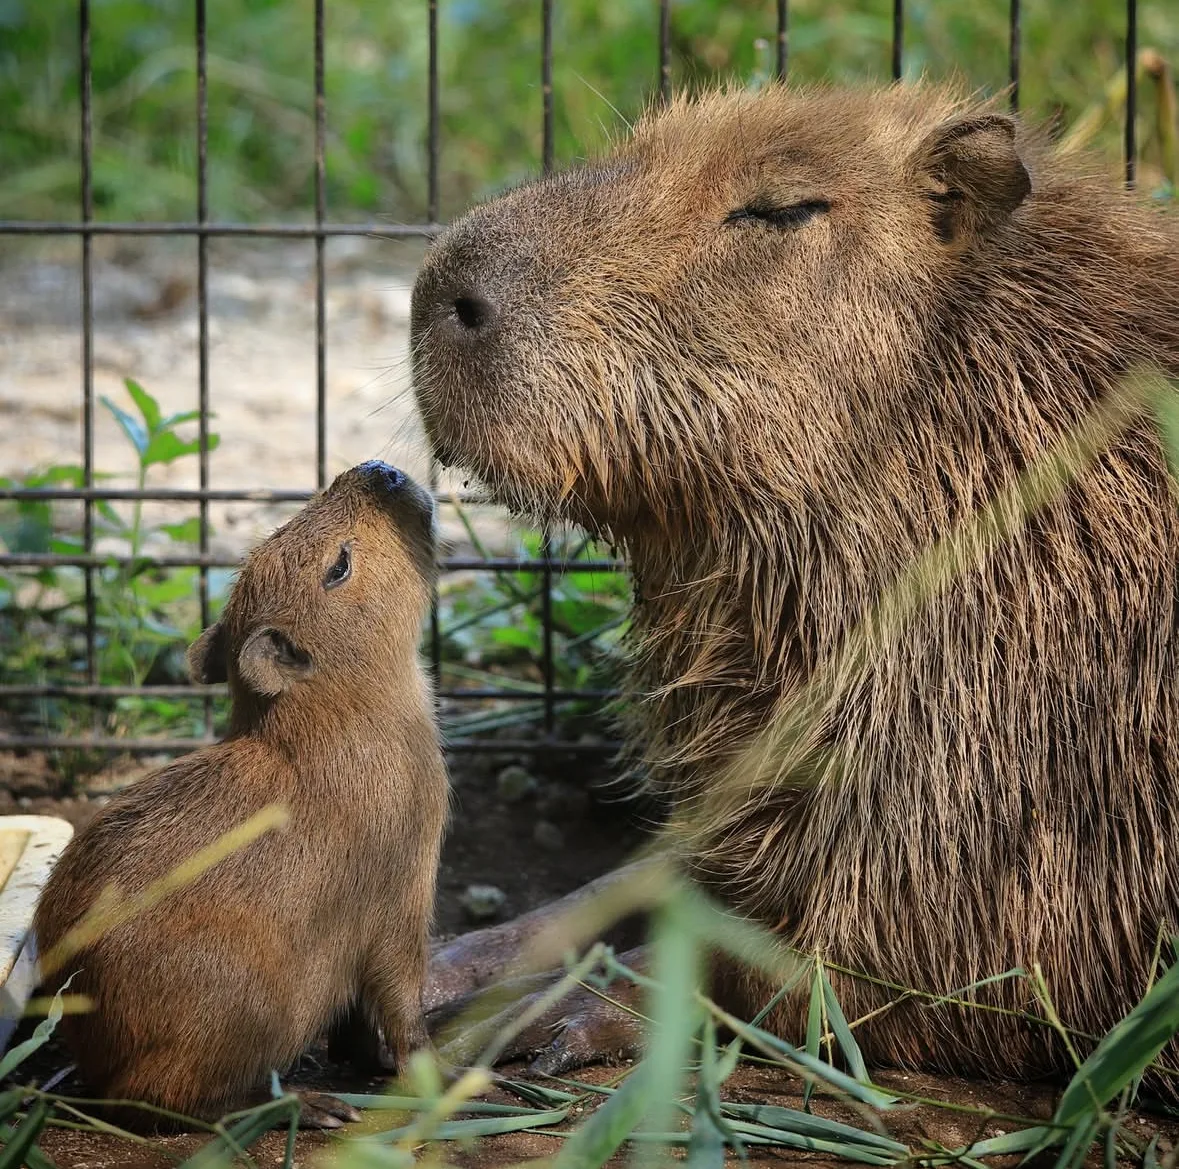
point(260, 60)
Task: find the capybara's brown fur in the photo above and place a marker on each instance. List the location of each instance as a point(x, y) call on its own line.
point(775, 347)
point(233, 975)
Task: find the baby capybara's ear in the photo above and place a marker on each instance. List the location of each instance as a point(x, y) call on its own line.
point(207, 662)
point(270, 662)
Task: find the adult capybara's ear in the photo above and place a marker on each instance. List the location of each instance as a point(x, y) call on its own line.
point(207, 657)
point(270, 662)
point(972, 172)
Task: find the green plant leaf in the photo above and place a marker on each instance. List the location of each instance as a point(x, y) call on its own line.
point(174, 420)
point(17, 1147)
point(706, 1145)
point(807, 1124)
point(132, 427)
point(167, 447)
point(149, 408)
point(1124, 1052)
point(596, 1140)
point(843, 1033)
point(676, 969)
point(540, 1093)
point(40, 1036)
point(186, 532)
point(482, 1126)
point(244, 1128)
point(417, 1104)
point(792, 1140)
point(814, 1028)
point(1009, 1143)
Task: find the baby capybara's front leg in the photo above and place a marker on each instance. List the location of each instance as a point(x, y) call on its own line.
point(393, 995)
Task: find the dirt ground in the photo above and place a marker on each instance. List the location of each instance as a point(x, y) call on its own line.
point(493, 841)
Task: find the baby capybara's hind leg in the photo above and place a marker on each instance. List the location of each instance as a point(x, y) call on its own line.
point(169, 1091)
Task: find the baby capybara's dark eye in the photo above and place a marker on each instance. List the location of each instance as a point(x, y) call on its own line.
point(341, 570)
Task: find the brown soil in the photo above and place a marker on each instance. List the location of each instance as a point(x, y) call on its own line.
point(491, 842)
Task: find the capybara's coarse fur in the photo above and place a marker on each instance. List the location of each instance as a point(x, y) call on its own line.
point(196, 1000)
point(774, 347)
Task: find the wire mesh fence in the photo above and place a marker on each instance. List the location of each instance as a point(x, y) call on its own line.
point(556, 558)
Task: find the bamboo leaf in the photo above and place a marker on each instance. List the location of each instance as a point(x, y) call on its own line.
point(706, 1145)
point(594, 1142)
point(793, 1140)
point(843, 1034)
point(40, 1035)
point(417, 1104)
point(480, 1126)
point(814, 1029)
point(676, 967)
point(807, 1124)
point(1124, 1052)
point(17, 1147)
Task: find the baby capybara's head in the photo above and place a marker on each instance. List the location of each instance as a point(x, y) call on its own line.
point(335, 597)
point(713, 305)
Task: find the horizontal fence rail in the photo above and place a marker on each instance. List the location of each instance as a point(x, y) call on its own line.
point(90, 559)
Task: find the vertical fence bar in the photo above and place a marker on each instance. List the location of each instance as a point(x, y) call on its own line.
point(1131, 145)
point(898, 39)
point(783, 39)
point(320, 293)
point(87, 199)
point(202, 52)
point(432, 151)
point(546, 550)
point(664, 50)
point(1013, 55)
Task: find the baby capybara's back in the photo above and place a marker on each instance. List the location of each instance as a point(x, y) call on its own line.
point(196, 998)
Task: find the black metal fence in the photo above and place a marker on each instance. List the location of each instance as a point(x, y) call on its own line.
point(87, 229)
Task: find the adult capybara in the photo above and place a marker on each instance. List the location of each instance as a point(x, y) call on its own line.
point(233, 975)
point(775, 347)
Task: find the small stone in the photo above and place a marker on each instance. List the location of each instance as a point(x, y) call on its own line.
point(548, 835)
point(481, 902)
point(563, 801)
point(514, 783)
point(24, 802)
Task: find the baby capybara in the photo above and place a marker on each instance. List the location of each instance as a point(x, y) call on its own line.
point(775, 347)
point(196, 1000)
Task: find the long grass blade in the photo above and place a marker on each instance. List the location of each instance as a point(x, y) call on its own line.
point(479, 1126)
point(417, 1104)
point(706, 1144)
point(814, 1029)
point(843, 1033)
point(593, 1143)
point(676, 967)
point(807, 1124)
point(16, 1148)
point(1125, 1052)
point(40, 1035)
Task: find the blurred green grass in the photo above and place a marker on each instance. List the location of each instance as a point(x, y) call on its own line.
point(260, 64)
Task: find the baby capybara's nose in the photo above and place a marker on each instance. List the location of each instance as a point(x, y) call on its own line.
point(471, 311)
point(383, 475)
